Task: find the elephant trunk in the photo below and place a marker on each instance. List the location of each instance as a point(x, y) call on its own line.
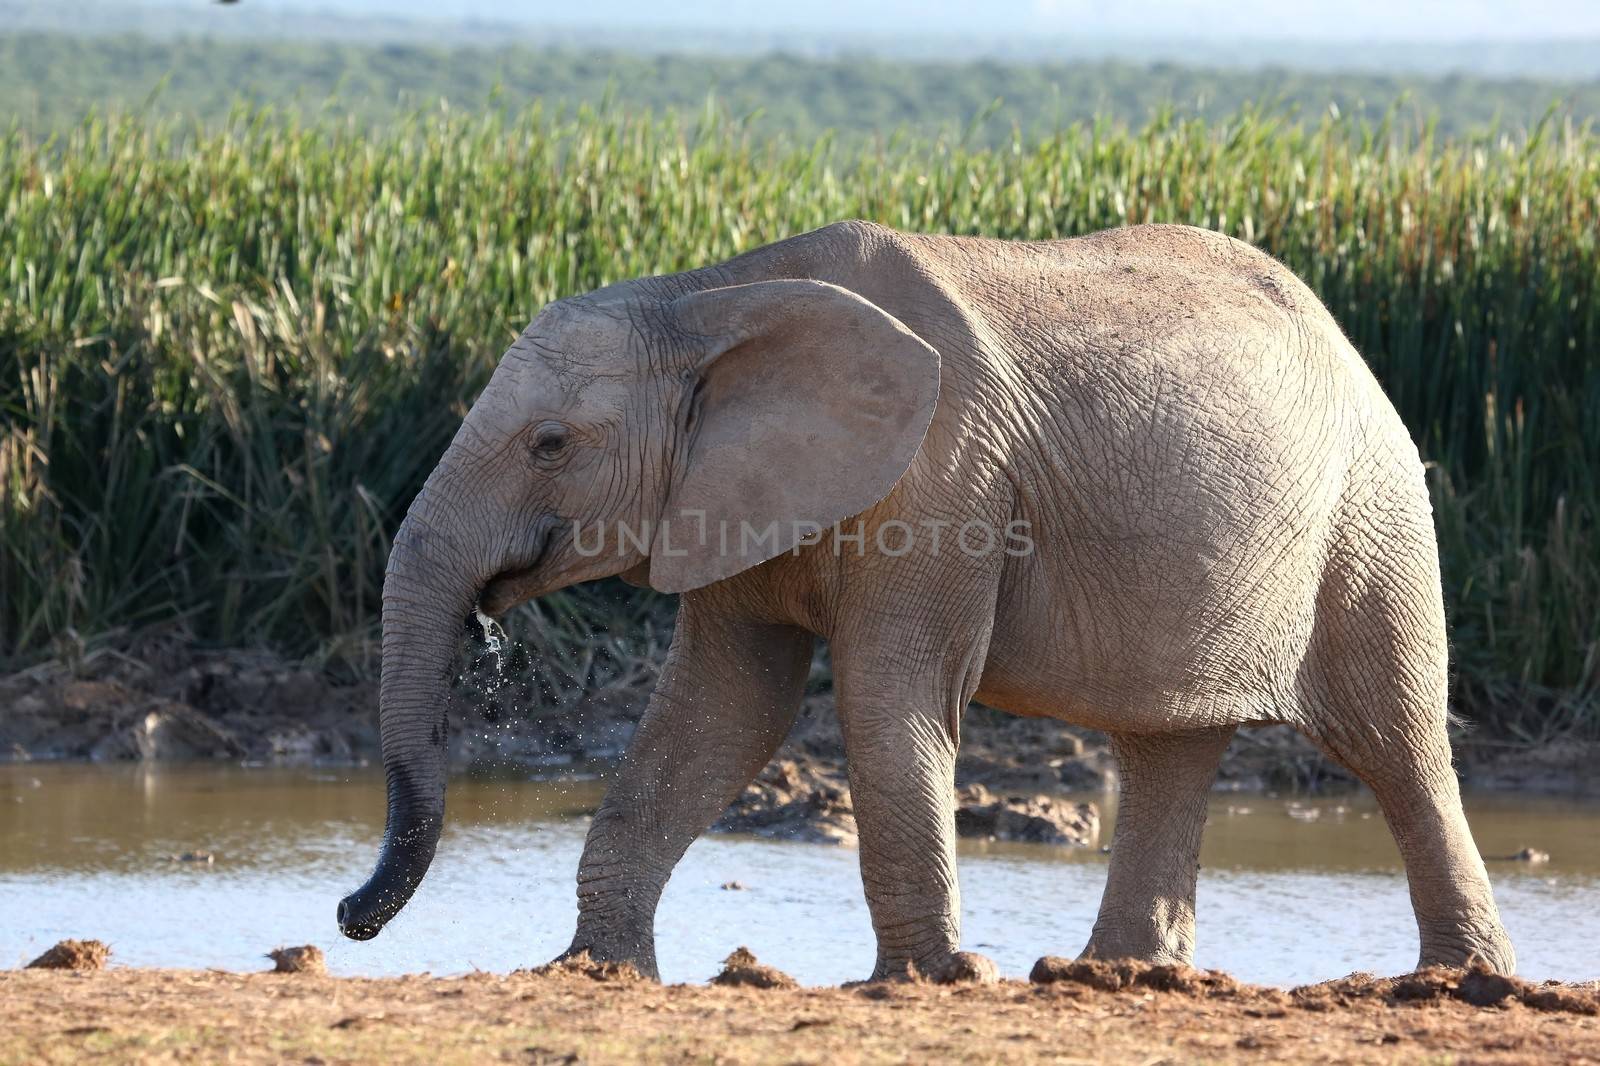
point(428, 591)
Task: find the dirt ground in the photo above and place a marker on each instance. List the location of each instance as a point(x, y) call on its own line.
point(1071, 1013)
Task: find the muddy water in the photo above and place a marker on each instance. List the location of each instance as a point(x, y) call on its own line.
point(1286, 896)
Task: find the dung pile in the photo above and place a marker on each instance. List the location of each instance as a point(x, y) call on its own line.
point(743, 970)
point(307, 958)
point(80, 955)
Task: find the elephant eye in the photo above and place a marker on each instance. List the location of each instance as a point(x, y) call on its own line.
point(549, 441)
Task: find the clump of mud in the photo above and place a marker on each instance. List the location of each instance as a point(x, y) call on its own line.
point(80, 955)
point(582, 964)
point(1115, 975)
point(743, 970)
point(1478, 985)
point(307, 958)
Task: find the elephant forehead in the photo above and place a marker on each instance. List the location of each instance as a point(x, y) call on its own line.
point(524, 381)
point(578, 360)
point(530, 385)
point(582, 338)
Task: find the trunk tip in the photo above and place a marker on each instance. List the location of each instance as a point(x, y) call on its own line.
point(357, 921)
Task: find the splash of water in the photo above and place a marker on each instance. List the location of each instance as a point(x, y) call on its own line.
point(494, 638)
point(497, 644)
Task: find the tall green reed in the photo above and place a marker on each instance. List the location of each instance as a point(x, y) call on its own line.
point(229, 357)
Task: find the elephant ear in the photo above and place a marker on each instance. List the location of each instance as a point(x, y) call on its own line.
point(810, 404)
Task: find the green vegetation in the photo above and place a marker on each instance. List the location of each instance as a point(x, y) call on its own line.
point(49, 80)
point(227, 359)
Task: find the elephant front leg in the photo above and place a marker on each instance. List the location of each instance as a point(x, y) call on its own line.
point(726, 699)
point(900, 744)
point(1147, 911)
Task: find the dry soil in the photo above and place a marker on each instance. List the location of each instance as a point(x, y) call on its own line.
point(1081, 1013)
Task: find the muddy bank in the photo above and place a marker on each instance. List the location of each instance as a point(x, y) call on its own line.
point(1008, 778)
point(165, 701)
point(1100, 1012)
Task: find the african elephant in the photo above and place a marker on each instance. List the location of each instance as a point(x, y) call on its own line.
point(1138, 481)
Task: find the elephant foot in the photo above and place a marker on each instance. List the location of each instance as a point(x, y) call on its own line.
point(962, 968)
point(953, 968)
point(1158, 947)
point(593, 961)
point(1467, 944)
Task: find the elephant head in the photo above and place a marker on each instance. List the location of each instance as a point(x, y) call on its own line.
point(630, 430)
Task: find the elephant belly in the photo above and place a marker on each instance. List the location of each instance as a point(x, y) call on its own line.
point(1150, 674)
point(1165, 624)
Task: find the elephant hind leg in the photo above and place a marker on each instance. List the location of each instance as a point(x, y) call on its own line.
point(1378, 690)
point(1147, 911)
point(1450, 893)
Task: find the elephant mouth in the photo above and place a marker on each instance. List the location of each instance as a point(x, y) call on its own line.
point(519, 584)
point(507, 590)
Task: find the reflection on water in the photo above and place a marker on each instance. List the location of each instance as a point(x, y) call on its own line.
point(1291, 891)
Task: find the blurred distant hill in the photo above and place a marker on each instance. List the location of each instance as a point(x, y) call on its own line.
point(1544, 39)
point(59, 60)
point(48, 81)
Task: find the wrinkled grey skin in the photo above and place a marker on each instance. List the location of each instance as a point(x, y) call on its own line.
point(1229, 520)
